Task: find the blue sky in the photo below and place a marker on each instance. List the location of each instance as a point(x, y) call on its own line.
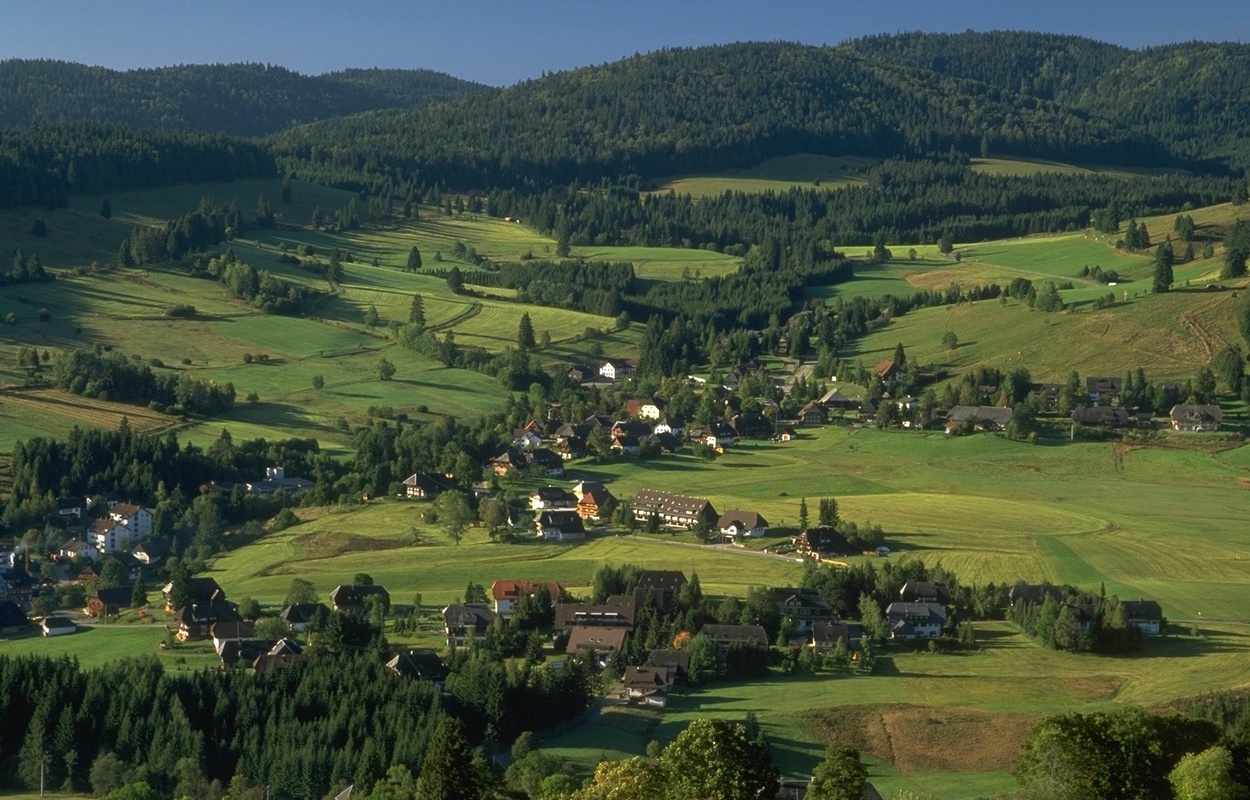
point(501, 43)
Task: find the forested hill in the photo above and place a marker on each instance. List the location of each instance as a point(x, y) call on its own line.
point(709, 108)
point(236, 99)
point(1194, 96)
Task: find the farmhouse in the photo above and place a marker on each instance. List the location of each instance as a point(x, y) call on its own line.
point(526, 438)
point(1033, 594)
point(834, 399)
point(508, 593)
point(661, 585)
point(804, 608)
point(592, 503)
point(1186, 417)
point(464, 622)
point(616, 369)
point(69, 508)
point(672, 509)
point(674, 425)
point(12, 617)
point(277, 481)
point(676, 661)
point(106, 602)
point(626, 444)
point(744, 524)
point(284, 653)
point(511, 459)
point(911, 621)
point(231, 630)
point(599, 642)
point(548, 498)
point(1100, 416)
point(299, 616)
point(546, 461)
point(983, 418)
point(718, 433)
point(887, 371)
point(353, 599)
point(1047, 394)
point(151, 552)
point(648, 685)
point(614, 615)
point(77, 548)
point(1144, 615)
point(813, 414)
point(924, 592)
point(825, 636)
point(820, 542)
point(423, 665)
point(560, 526)
point(1108, 389)
point(423, 486)
point(652, 408)
point(202, 590)
point(195, 620)
point(243, 652)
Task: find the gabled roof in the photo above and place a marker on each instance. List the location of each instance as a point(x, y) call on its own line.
point(301, 613)
point(1186, 412)
point(115, 596)
point(205, 614)
point(11, 615)
point(1141, 609)
point(243, 651)
point(426, 482)
point(203, 590)
point(514, 590)
point(646, 679)
point(823, 539)
point(571, 615)
point(913, 591)
point(829, 632)
point(232, 629)
point(1104, 385)
point(746, 520)
point(923, 612)
point(468, 615)
point(596, 496)
point(885, 369)
point(1034, 593)
point(58, 623)
point(124, 510)
point(421, 664)
point(345, 595)
point(801, 598)
point(669, 580)
point(566, 521)
point(678, 660)
point(1116, 417)
point(553, 494)
point(992, 414)
point(601, 639)
point(733, 634)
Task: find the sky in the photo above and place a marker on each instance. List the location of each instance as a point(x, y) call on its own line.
point(501, 43)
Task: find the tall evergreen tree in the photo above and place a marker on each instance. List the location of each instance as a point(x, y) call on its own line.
point(1163, 267)
point(447, 771)
point(525, 334)
point(414, 259)
point(106, 210)
point(416, 312)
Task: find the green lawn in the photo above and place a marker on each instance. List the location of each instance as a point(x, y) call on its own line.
point(803, 170)
point(103, 644)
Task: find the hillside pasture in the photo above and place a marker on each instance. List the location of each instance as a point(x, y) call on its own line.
point(666, 263)
point(27, 413)
point(1025, 167)
point(799, 171)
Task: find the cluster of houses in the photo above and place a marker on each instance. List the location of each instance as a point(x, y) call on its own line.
point(1144, 615)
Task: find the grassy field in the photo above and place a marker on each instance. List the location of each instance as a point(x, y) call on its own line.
point(104, 644)
point(803, 171)
point(1024, 167)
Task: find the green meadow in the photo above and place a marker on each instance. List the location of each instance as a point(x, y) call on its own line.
point(802, 171)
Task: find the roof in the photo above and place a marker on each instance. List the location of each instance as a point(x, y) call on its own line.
point(11, 614)
point(995, 414)
point(602, 639)
point(671, 580)
point(676, 659)
point(1104, 385)
point(1034, 593)
point(203, 590)
point(596, 496)
point(300, 613)
point(51, 623)
point(652, 501)
point(125, 510)
point(553, 494)
point(746, 520)
point(825, 631)
point(734, 634)
point(931, 612)
point(1186, 412)
point(511, 590)
point(572, 615)
point(424, 481)
point(205, 614)
point(823, 539)
point(1142, 609)
point(116, 596)
point(233, 629)
point(422, 664)
point(566, 521)
point(885, 369)
point(812, 408)
point(646, 678)
point(1100, 415)
point(354, 595)
point(810, 599)
point(468, 615)
point(913, 591)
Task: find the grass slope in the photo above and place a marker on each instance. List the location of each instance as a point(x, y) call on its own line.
point(802, 170)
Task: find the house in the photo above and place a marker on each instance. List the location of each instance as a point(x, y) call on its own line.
point(107, 602)
point(422, 486)
point(507, 593)
point(151, 552)
point(813, 414)
point(612, 615)
point(57, 626)
point(91, 571)
point(526, 438)
point(1034, 594)
point(825, 636)
point(804, 607)
point(284, 653)
point(718, 433)
point(820, 542)
point(662, 585)
point(1108, 389)
point(353, 599)
point(300, 616)
point(676, 661)
point(648, 685)
point(124, 525)
point(674, 425)
point(1047, 393)
point(69, 508)
point(616, 369)
point(786, 434)
point(560, 526)
point(464, 622)
point(570, 448)
point(12, 617)
point(16, 584)
point(77, 548)
point(742, 524)
point(599, 642)
point(650, 408)
point(672, 509)
point(548, 498)
point(726, 635)
point(1186, 417)
point(195, 620)
point(835, 400)
point(202, 591)
point(983, 418)
point(887, 371)
point(593, 503)
point(625, 444)
point(1100, 416)
point(1144, 615)
point(911, 621)
point(546, 461)
point(231, 630)
point(578, 373)
point(424, 665)
point(243, 652)
point(510, 460)
point(277, 481)
point(924, 592)
point(666, 442)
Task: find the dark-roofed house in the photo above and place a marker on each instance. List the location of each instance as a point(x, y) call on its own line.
point(924, 592)
point(77, 548)
point(423, 665)
point(662, 585)
point(597, 641)
point(70, 508)
point(151, 552)
point(109, 601)
point(464, 622)
point(672, 509)
point(573, 615)
point(725, 635)
point(350, 599)
point(195, 621)
point(677, 662)
point(593, 502)
point(57, 626)
point(203, 591)
point(1108, 389)
point(1144, 615)
point(551, 497)
point(243, 652)
point(1034, 594)
point(983, 418)
point(911, 621)
point(1100, 416)
point(283, 654)
point(508, 593)
point(825, 636)
point(547, 461)
point(648, 685)
point(835, 399)
point(301, 615)
point(742, 524)
point(813, 414)
point(560, 526)
point(820, 542)
point(804, 607)
point(1187, 417)
point(231, 630)
point(511, 459)
point(1047, 393)
point(423, 486)
point(12, 617)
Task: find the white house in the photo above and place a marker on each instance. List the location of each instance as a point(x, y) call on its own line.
point(909, 621)
point(616, 370)
point(57, 626)
point(673, 425)
point(77, 548)
point(742, 524)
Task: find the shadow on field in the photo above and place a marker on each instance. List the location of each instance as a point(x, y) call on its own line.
point(278, 415)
